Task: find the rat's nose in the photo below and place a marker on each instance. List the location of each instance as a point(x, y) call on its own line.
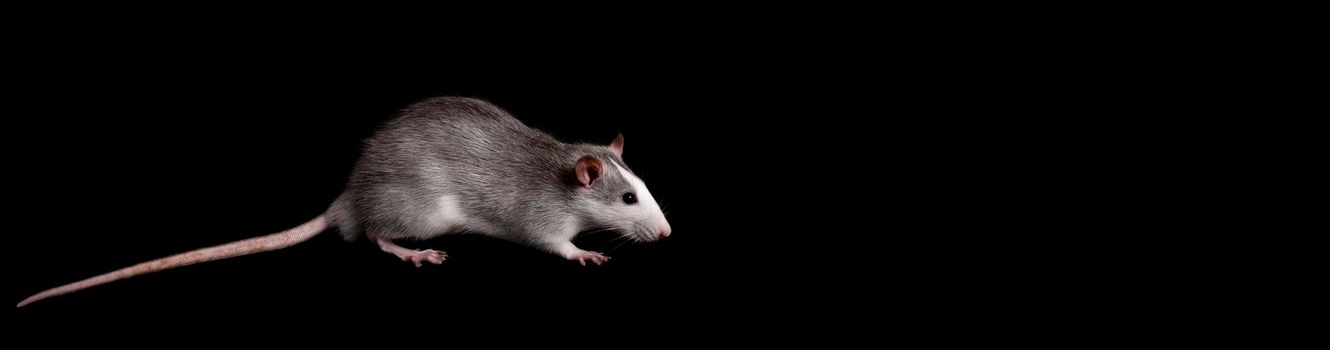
point(664, 231)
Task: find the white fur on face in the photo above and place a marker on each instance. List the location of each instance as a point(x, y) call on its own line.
point(649, 210)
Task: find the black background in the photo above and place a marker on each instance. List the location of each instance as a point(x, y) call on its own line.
point(808, 169)
point(940, 174)
point(139, 145)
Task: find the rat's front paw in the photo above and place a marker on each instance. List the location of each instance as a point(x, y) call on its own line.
point(583, 257)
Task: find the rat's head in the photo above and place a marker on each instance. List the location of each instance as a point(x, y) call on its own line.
point(616, 198)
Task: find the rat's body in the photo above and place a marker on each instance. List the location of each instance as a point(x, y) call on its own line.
point(450, 165)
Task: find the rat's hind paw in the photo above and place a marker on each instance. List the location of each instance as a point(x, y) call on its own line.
point(414, 256)
point(433, 256)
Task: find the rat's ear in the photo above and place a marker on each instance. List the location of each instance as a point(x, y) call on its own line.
point(588, 170)
point(617, 145)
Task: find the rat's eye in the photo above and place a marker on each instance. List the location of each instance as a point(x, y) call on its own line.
point(629, 198)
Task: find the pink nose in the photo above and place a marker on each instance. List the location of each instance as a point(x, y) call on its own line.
point(664, 231)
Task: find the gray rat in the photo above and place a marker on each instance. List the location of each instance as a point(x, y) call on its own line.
point(453, 165)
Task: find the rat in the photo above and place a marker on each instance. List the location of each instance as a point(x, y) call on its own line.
point(450, 165)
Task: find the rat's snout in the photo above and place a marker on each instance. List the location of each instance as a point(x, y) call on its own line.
point(664, 231)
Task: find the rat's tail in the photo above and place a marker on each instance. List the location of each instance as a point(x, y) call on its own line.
point(249, 246)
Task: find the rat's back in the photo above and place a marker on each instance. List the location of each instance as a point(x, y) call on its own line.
point(449, 164)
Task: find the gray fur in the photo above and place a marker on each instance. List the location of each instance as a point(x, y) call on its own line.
point(508, 180)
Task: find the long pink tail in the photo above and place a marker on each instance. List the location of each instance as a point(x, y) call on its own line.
point(244, 247)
